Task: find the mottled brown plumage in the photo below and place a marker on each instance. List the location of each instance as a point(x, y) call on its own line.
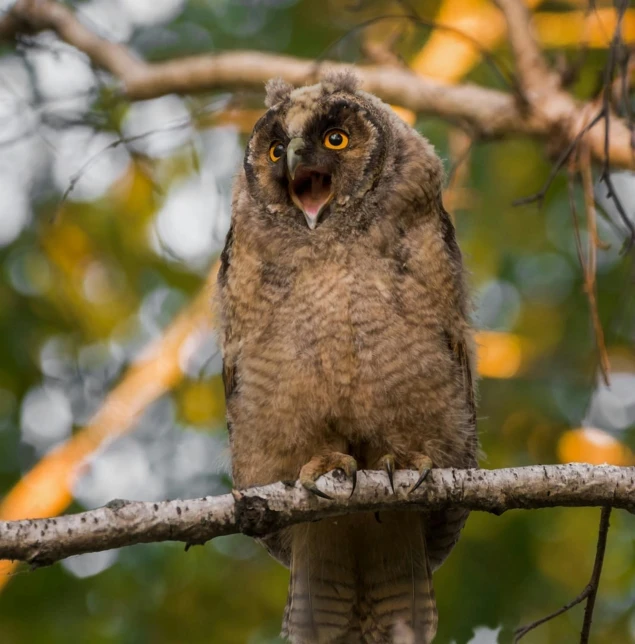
point(345, 334)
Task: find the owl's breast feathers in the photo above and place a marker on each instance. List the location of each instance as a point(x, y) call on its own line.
point(344, 330)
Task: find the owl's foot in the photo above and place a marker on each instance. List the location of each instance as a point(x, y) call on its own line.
point(423, 465)
point(412, 461)
point(387, 463)
point(323, 464)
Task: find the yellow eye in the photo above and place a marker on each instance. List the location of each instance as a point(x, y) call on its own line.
point(335, 140)
point(276, 151)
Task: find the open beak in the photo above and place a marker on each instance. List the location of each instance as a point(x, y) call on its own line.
point(310, 188)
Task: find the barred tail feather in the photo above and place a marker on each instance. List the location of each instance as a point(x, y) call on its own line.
point(397, 587)
point(361, 580)
point(443, 530)
point(322, 588)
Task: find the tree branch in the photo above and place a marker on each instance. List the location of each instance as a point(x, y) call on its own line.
point(32, 16)
point(594, 582)
point(261, 510)
point(486, 112)
point(589, 592)
point(534, 75)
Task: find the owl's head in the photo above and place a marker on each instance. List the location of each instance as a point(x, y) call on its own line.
point(320, 149)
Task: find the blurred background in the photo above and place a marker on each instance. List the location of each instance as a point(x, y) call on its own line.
point(111, 218)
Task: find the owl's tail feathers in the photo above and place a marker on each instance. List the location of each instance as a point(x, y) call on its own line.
point(323, 586)
point(396, 596)
point(360, 580)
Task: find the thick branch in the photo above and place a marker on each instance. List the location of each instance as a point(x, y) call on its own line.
point(487, 112)
point(534, 75)
point(31, 16)
point(262, 510)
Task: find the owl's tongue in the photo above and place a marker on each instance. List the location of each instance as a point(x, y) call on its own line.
point(313, 198)
point(311, 192)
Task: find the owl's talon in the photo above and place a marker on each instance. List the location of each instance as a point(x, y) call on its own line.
point(323, 464)
point(387, 462)
point(420, 480)
point(353, 476)
point(423, 464)
point(312, 487)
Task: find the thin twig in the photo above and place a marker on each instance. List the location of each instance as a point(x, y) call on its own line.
point(523, 630)
point(505, 77)
point(590, 268)
point(559, 164)
point(76, 176)
point(609, 72)
point(590, 590)
point(594, 583)
point(461, 146)
point(571, 174)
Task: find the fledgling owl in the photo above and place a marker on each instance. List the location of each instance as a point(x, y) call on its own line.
point(346, 344)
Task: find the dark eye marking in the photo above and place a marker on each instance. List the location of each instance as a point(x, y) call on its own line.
point(263, 121)
point(334, 115)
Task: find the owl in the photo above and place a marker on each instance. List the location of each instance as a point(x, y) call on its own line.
point(346, 342)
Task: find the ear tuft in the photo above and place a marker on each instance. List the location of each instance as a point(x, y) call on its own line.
point(277, 90)
point(341, 81)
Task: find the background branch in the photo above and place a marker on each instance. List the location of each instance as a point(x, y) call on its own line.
point(261, 510)
point(488, 112)
point(534, 75)
point(590, 590)
point(594, 582)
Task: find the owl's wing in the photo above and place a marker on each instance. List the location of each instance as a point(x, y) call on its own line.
point(229, 368)
point(463, 358)
point(433, 259)
point(443, 528)
point(458, 328)
point(277, 545)
point(229, 382)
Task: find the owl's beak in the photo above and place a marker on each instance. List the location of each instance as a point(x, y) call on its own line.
point(294, 156)
point(310, 188)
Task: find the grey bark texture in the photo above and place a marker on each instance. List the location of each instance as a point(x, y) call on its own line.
point(259, 511)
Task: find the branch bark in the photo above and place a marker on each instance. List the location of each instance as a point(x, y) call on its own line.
point(534, 75)
point(261, 510)
point(486, 112)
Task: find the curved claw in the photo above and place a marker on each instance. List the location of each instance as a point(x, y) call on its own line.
point(354, 479)
point(324, 463)
point(311, 486)
point(388, 464)
point(420, 480)
point(424, 465)
point(349, 467)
